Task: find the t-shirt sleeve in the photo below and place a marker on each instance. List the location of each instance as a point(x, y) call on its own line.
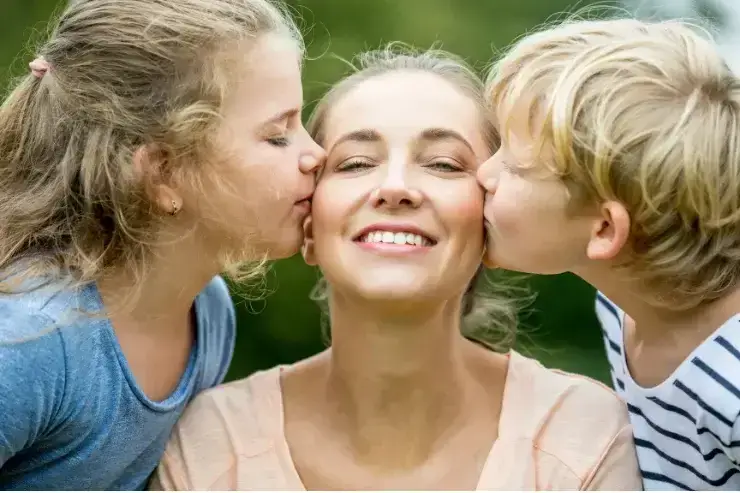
point(618, 469)
point(32, 380)
point(733, 451)
point(588, 432)
point(170, 474)
point(228, 336)
point(204, 446)
point(609, 319)
point(219, 334)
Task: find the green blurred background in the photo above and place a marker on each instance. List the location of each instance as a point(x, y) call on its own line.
point(559, 328)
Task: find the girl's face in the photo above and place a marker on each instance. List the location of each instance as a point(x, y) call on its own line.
point(398, 213)
point(262, 194)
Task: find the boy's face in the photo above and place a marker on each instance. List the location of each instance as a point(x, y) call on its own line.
point(528, 223)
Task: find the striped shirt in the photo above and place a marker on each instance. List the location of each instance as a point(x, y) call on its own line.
point(687, 429)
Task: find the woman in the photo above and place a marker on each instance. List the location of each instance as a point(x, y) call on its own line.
point(402, 400)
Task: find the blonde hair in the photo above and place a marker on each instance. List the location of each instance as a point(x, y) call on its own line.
point(122, 74)
point(647, 114)
point(488, 308)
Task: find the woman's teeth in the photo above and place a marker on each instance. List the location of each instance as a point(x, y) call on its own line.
point(396, 238)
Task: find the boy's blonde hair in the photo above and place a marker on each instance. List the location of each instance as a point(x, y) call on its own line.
point(489, 308)
point(122, 74)
point(647, 114)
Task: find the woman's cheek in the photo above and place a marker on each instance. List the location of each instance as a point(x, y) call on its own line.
point(467, 203)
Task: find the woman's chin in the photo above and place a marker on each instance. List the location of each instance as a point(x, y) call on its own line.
point(394, 293)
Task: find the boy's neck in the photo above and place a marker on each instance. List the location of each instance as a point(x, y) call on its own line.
point(657, 341)
point(651, 322)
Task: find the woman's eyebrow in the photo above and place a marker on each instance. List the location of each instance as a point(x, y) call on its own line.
point(362, 135)
point(437, 133)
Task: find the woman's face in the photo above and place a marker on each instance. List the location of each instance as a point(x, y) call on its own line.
point(398, 213)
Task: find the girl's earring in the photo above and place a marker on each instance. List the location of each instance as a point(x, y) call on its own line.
point(175, 208)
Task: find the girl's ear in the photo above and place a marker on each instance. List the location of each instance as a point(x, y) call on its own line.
point(150, 165)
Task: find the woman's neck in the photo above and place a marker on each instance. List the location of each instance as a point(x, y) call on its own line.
point(401, 378)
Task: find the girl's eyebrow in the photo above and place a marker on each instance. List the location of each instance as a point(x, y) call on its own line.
point(282, 116)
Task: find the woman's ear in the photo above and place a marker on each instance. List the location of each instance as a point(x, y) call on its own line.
point(307, 250)
point(150, 164)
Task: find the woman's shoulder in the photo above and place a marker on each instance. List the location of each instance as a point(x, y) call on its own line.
point(248, 402)
point(232, 415)
point(571, 418)
point(563, 390)
point(222, 425)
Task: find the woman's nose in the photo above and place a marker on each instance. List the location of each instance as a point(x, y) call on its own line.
point(396, 191)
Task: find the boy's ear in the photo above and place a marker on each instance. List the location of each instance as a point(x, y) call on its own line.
point(307, 250)
point(610, 231)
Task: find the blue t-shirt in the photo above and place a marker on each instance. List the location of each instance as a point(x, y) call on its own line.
point(71, 414)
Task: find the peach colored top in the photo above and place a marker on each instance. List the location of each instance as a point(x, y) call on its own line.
point(557, 432)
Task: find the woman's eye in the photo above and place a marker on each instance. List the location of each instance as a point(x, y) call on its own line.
point(353, 165)
point(445, 166)
point(278, 141)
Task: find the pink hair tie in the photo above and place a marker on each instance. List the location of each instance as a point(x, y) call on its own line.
point(39, 67)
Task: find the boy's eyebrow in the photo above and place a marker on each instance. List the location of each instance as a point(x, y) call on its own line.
point(437, 133)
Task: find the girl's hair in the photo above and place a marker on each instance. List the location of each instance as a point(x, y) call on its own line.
point(648, 114)
point(488, 308)
point(122, 74)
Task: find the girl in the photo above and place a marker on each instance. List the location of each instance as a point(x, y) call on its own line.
point(152, 145)
point(402, 400)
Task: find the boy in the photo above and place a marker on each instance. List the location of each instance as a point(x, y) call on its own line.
point(620, 163)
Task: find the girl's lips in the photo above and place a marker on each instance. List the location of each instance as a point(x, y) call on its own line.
point(303, 206)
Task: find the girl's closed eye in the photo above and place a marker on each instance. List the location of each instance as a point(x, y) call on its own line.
point(281, 141)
